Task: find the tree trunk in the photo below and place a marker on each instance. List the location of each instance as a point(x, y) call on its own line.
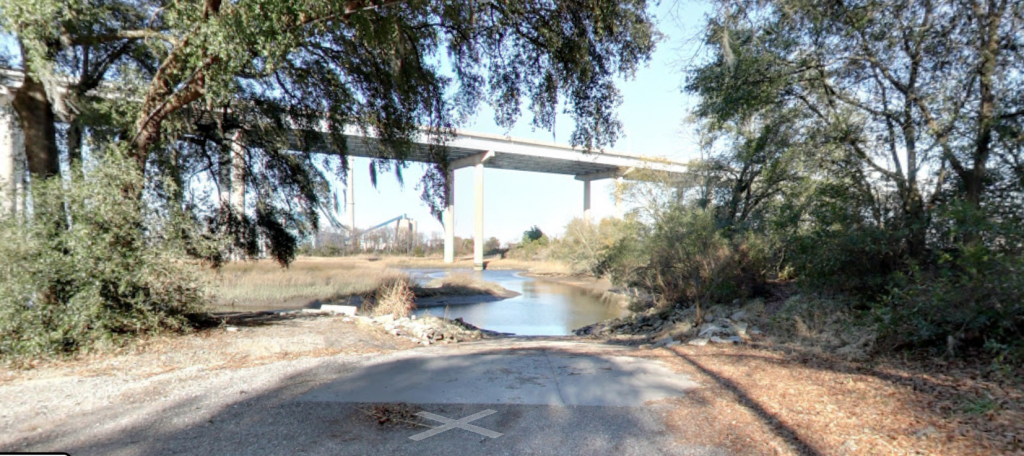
point(38, 124)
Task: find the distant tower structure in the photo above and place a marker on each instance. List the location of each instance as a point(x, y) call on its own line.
point(405, 233)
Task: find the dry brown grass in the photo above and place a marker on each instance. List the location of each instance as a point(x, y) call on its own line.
point(265, 284)
point(461, 284)
point(392, 297)
point(261, 285)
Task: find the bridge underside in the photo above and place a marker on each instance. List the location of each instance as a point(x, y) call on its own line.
point(482, 150)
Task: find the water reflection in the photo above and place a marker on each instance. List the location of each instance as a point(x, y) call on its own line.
point(543, 308)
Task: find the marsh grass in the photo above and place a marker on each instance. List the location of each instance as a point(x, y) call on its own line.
point(393, 296)
point(307, 281)
point(460, 284)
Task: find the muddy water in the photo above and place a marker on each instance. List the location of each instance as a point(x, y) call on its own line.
point(542, 309)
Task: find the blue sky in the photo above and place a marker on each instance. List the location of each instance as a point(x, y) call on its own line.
point(653, 112)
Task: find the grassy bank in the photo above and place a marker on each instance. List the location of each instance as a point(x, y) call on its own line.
point(309, 281)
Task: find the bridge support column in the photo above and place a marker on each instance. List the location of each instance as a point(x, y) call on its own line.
point(586, 201)
point(618, 197)
point(350, 197)
point(448, 217)
point(478, 218)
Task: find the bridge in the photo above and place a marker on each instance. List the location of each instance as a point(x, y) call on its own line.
point(480, 150)
point(464, 149)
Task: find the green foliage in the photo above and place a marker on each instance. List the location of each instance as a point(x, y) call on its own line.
point(686, 258)
point(493, 245)
point(585, 243)
point(534, 234)
point(975, 299)
point(112, 270)
point(295, 77)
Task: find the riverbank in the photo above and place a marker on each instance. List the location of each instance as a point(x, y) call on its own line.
point(312, 281)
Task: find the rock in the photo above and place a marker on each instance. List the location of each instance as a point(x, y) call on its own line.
point(740, 329)
point(727, 340)
point(644, 347)
point(346, 320)
point(739, 315)
point(232, 329)
point(708, 330)
point(336, 309)
point(313, 311)
point(754, 331)
point(700, 342)
point(425, 342)
point(672, 343)
point(384, 319)
point(663, 342)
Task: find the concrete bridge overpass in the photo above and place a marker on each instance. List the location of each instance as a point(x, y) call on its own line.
point(464, 149)
point(480, 150)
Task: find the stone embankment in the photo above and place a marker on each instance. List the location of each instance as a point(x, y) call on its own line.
point(665, 328)
point(425, 330)
point(429, 329)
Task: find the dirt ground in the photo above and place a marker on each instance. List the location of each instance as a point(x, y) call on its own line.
point(753, 400)
point(238, 344)
point(758, 401)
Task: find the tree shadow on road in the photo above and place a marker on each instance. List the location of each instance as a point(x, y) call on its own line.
point(242, 418)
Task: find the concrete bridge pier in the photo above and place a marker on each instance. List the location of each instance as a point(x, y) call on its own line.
point(477, 162)
point(478, 217)
point(586, 201)
point(616, 174)
point(448, 217)
point(350, 197)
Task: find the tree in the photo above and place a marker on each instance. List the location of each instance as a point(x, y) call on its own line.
point(492, 245)
point(533, 234)
point(196, 78)
point(916, 96)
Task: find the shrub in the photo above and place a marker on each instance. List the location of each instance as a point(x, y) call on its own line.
point(686, 258)
point(107, 269)
point(392, 297)
point(585, 243)
point(975, 299)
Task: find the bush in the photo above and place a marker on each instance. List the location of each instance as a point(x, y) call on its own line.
point(585, 243)
point(106, 270)
point(686, 258)
point(392, 297)
point(976, 299)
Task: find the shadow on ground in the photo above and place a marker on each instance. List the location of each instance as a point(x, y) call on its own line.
point(290, 418)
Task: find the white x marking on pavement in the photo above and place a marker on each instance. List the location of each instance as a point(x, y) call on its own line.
point(452, 424)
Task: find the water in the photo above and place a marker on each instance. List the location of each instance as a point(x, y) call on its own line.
point(542, 309)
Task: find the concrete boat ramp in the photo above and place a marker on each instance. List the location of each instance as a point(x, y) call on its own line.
point(494, 397)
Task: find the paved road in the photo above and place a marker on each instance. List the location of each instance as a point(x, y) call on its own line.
point(542, 397)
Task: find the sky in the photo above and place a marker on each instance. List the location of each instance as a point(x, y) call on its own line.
point(652, 112)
